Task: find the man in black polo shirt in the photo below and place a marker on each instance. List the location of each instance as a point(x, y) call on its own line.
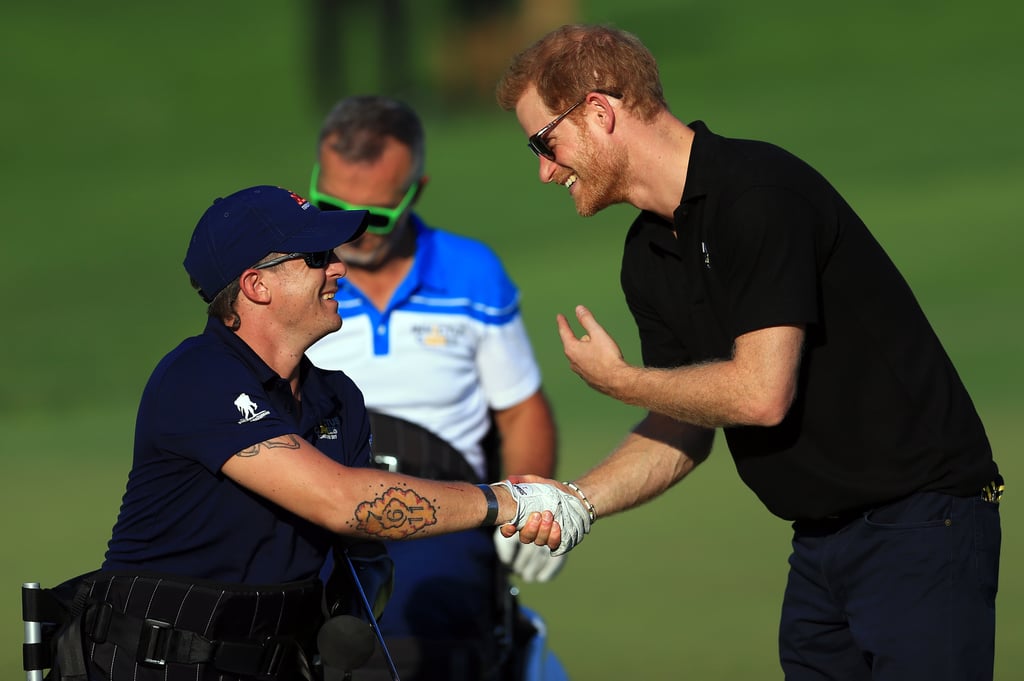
point(766, 308)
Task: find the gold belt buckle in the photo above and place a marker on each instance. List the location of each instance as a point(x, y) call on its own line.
point(993, 491)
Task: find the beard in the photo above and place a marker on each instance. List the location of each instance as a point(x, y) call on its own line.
point(373, 251)
point(601, 176)
point(365, 254)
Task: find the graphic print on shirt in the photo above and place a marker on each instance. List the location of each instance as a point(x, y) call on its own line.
point(328, 430)
point(248, 409)
point(440, 335)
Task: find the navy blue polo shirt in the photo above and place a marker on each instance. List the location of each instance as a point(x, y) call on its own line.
point(764, 240)
point(208, 399)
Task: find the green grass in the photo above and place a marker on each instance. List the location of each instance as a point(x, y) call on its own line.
point(123, 121)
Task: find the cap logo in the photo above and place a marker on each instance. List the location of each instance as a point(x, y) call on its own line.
point(303, 203)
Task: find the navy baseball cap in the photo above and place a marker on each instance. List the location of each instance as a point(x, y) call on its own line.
point(239, 230)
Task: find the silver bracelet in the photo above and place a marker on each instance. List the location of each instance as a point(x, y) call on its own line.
point(492, 506)
point(591, 511)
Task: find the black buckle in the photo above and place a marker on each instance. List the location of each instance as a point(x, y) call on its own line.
point(97, 622)
point(247, 658)
point(154, 642)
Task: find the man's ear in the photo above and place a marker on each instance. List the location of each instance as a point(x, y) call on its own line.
point(252, 284)
point(419, 192)
point(605, 113)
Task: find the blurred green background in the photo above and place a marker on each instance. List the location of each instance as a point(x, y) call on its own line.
point(122, 121)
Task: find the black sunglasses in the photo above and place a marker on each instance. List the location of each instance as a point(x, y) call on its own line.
point(539, 145)
point(316, 261)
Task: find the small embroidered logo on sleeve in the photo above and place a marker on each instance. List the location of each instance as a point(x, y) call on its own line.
point(248, 409)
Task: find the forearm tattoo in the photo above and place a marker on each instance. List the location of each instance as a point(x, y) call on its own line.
point(396, 514)
point(283, 442)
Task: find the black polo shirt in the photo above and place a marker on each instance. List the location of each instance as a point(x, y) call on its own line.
point(764, 240)
point(207, 400)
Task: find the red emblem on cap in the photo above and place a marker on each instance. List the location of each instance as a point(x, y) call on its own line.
point(298, 199)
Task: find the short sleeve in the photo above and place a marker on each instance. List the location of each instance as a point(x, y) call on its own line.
point(508, 370)
point(208, 407)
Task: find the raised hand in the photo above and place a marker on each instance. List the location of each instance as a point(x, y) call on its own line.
point(594, 356)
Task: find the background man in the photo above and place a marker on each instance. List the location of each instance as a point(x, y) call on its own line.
point(766, 308)
point(249, 461)
point(434, 338)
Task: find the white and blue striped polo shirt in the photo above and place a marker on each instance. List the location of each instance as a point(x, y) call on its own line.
point(450, 344)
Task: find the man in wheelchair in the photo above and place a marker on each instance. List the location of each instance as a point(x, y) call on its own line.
point(249, 464)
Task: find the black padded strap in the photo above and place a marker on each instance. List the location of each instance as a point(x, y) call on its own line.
point(60, 648)
point(417, 451)
point(158, 643)
point(72, 620)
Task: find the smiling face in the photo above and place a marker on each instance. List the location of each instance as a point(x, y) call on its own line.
point(587, 161)
point(304, 297)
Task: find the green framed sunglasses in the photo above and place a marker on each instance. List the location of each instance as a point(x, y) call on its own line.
point(379, 220)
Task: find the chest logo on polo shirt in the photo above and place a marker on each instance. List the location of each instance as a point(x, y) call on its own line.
point(328, 430)
point(439, 335)
point(248, 409)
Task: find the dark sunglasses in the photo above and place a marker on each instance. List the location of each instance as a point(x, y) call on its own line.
point(316, 261)
point(537, 142)
point(379, 220)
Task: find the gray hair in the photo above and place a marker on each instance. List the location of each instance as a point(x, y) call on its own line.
point(361, 124)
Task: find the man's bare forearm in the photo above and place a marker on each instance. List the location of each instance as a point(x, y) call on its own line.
point(657, 454)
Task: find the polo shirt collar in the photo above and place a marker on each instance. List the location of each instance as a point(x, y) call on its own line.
point(423, 274)
point(702, 166)
point(263, 373)
point(424, 271)
point(701, 171)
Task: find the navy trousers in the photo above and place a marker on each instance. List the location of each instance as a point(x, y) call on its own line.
point(906, 591)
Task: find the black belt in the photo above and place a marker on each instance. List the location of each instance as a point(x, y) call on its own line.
point(992, 492)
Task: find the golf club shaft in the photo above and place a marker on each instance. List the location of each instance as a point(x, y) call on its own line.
point(373, 620)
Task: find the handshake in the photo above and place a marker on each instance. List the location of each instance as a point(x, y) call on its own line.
point(574, 514)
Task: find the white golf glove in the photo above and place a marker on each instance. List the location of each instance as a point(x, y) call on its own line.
point(568, 510)
point(529, 562)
